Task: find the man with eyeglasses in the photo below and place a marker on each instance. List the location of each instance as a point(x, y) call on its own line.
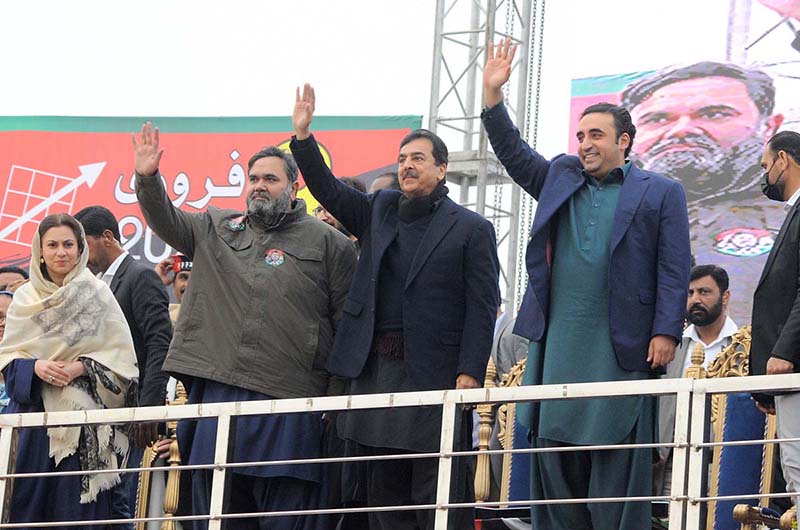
point(326, 217)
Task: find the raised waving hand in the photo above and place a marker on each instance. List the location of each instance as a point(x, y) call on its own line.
point(497, 71)
point(303, 112)
point(147, 154)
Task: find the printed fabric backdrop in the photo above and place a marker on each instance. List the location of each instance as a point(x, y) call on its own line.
point(62, 164)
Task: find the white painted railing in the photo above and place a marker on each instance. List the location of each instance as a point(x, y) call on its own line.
point(689, 465)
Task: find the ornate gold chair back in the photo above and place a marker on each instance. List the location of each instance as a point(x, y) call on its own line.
point(173, 475)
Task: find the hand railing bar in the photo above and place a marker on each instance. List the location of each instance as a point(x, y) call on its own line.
point(179, 518)
point(445, 465)
point(333, 511)
point(680, 460)
point(341, 459)
point(755, 383)
point(652, 387)
point(365, 401)
point(221, 480)
point(696, 470)
point(7, 463)
point(743, 442)
point(568, 449)
point(529, 502)
point(743, 496)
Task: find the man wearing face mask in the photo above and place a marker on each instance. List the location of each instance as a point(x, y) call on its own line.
point(775, 347)
point(712, 328)
point(257, 323)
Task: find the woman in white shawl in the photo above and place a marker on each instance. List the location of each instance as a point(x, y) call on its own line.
point(66, 346)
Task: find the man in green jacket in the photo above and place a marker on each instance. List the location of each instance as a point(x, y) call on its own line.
point(257, 322)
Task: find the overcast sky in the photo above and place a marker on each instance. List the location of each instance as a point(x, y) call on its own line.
point(365, 57)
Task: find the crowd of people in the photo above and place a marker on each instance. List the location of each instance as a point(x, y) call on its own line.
point(389, 289)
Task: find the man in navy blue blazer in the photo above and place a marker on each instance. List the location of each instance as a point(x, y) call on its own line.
point(420, 315)
point(608, 265)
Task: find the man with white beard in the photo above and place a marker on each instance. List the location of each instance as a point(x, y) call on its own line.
point(257, 323)
point(705, 126)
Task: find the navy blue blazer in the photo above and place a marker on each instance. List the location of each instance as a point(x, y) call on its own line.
point(451, 294)
point(650, 254)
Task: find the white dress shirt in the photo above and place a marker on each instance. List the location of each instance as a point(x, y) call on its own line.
point(112, 269)
point(792, 200)
point(714, 348)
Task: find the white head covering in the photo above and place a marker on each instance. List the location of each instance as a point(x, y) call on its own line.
point(81, 320)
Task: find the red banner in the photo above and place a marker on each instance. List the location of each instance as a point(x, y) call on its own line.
point(62, 170)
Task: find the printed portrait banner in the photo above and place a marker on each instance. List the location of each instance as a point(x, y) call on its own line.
point(63, 164)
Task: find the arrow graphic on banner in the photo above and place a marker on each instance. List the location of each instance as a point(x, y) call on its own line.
point(88, 176)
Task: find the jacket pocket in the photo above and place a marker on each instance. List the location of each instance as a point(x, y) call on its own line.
point(647, 297)
point(232, 254)
point(352, 307)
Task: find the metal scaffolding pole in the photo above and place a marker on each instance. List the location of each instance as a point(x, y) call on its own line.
point(462, 29)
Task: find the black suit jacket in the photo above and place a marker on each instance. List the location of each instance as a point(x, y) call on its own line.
point(451, 295)
point(776, 302)
point(145, 303)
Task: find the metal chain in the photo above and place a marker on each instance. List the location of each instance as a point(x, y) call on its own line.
point(511, 16)
point(530, 135)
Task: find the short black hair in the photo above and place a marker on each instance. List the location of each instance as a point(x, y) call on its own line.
point(622, 120)
point(440, 154)
point(96, 220)
point(289, 165)
point(788, 141)
point(14, 270)
point(719, 275)
point(354, 183)
point(760, 85)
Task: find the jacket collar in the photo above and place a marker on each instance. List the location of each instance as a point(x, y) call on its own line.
point(441, 223)
point(778, 242)
point(633, 189)
point(634, 186)
point(120, 272)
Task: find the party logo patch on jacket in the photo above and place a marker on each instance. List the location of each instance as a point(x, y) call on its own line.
point(236, 224)
point(274, 257)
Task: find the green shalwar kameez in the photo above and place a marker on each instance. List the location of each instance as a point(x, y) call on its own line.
point(578, 349)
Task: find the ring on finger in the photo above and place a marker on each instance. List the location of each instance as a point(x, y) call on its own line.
point(50, 379)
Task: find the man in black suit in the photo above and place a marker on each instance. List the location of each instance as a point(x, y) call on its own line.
point(145, 303)
point(419, 316)
point(775, 348)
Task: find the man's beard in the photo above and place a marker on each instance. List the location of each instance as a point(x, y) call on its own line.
point(700, 316)
point(705, 169)
point(267, 211)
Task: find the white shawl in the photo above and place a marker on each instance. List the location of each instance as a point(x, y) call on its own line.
point(80, 320)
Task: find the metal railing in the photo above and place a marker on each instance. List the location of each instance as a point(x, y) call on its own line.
point(689, 446)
